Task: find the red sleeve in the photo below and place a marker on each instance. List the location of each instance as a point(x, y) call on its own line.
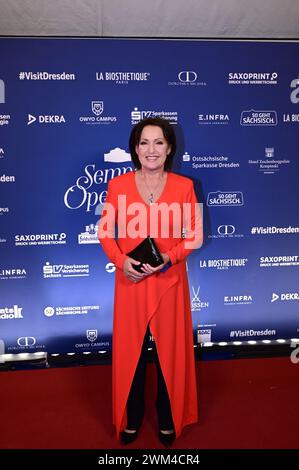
point(106, 229)
point(193, 226)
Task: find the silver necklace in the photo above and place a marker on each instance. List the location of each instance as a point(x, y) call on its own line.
point(151, 192)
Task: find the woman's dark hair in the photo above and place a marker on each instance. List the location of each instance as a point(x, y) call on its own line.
point(168, 133)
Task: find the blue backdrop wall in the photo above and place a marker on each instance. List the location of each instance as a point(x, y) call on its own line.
point(67, 107)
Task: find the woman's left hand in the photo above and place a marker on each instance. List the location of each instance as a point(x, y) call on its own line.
point(148, 269)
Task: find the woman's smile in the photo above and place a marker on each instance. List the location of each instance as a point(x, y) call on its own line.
point(152, 147)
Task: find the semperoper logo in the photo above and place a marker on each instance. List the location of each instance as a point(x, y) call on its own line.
point(117, 155)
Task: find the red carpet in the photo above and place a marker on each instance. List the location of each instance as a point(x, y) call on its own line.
point(248, 403)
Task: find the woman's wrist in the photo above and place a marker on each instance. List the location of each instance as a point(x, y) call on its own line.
point(165, 257)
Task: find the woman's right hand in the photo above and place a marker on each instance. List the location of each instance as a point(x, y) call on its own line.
point(130, 272)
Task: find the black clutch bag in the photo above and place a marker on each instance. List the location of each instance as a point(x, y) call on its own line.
point(146, 252)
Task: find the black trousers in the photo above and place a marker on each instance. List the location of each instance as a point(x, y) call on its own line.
point(135, 403)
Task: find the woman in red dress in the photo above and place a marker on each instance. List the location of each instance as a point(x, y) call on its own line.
point(155, 300)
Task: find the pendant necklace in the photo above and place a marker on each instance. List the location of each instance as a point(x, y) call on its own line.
point(151, 196)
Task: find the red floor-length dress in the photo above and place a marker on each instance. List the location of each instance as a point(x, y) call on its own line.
point(161, 300)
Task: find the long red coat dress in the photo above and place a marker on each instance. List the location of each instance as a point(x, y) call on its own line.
point(160, 300)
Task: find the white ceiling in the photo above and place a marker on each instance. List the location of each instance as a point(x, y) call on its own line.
point(151, 18)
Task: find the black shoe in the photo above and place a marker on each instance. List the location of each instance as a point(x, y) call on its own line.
point(167, 439)
point(128, 437)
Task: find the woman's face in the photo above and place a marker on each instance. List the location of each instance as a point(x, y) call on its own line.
point(153, 148)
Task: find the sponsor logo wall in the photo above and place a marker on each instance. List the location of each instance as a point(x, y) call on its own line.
point(64, 130)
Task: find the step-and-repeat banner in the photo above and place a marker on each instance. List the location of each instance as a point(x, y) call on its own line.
point(67, 107)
